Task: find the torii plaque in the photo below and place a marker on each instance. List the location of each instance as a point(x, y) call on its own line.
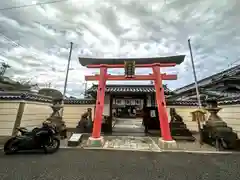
point(129, 65)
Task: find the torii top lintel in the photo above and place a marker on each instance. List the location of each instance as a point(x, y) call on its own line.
point(85, 61)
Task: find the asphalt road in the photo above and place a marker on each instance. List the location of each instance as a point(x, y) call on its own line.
point(76, 164)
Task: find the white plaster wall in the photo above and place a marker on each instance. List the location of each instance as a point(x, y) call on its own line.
point(8, 114)
point(231, 115)
point(35, 113)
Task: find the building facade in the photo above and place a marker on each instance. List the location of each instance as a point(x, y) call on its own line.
point(127, 100)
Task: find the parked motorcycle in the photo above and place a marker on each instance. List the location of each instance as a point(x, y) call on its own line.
point(44, 138)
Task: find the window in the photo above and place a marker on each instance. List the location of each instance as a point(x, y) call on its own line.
point(137, 102)
point(127, 102)
point(118, 102)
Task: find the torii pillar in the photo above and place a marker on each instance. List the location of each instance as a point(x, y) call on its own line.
point(166, 140)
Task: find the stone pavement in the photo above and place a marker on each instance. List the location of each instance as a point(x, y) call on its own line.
point(77, 164)
point(128, 125)
point(130, 143)
point(138, 143)
point(131, 123)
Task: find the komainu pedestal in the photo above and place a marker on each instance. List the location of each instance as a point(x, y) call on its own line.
point(85, 124)
point(178, 128)
point(216, 132)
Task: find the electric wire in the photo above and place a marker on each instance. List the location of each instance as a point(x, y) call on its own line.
point(16, 44)
point(32, 5)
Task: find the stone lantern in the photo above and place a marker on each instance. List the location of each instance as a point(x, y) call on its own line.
point(213, 109)
point(216, 131)
point(56, 117)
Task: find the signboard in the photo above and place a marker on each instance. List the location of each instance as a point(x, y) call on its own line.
point(75, 137)
point(129, 67)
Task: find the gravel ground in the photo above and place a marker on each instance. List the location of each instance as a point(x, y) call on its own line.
point(77, 164)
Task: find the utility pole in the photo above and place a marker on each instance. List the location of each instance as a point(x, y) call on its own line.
point(197, 92)
point(85, 88)
point(195, 76)
point(66, 77)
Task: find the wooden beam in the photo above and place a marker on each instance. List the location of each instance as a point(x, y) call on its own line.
point(137, 65)
point(136, 77)
point(18, 119)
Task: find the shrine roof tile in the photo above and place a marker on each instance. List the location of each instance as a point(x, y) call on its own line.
point(39, 98)
point(24, 96)
point(21, 96)
point(211, 79)
point(128, 89)
point(79, 101)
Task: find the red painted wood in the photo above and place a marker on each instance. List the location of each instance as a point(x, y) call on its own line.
point(99, 103)
point(160, 98)
point(136, 77)
point(162, 110)
point(137, 65)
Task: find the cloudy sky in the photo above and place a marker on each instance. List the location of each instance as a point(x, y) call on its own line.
point(35, 40)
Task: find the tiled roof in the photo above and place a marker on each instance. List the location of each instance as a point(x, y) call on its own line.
point(214, 78)
point(24, 96)
point(229, 100)
point(223, 95)
point(128, 89)
point(182, 103)
point(40, 98)
point(79, 101)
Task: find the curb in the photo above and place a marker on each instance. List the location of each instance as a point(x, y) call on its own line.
point(201, 152)
point(163, 151)
point(121, 149)
point(146, 150)
point(159, 151)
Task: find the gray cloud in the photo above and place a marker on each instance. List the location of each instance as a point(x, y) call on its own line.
point(35, 40)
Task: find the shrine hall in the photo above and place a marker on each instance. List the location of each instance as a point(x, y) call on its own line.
point(127, 101)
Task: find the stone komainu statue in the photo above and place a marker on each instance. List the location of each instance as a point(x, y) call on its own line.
point(175, 117)
point(85, 124)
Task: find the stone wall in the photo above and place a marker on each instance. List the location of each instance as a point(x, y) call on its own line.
point(231, 115)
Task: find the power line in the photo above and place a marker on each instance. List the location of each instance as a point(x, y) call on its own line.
point(31, 5)
point(14, 43)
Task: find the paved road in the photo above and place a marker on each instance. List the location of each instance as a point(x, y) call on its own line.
point(76, 164)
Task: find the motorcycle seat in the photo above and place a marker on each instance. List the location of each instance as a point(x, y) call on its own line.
point(32, 132)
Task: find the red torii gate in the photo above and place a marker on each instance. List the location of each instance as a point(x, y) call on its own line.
point(130, 64)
